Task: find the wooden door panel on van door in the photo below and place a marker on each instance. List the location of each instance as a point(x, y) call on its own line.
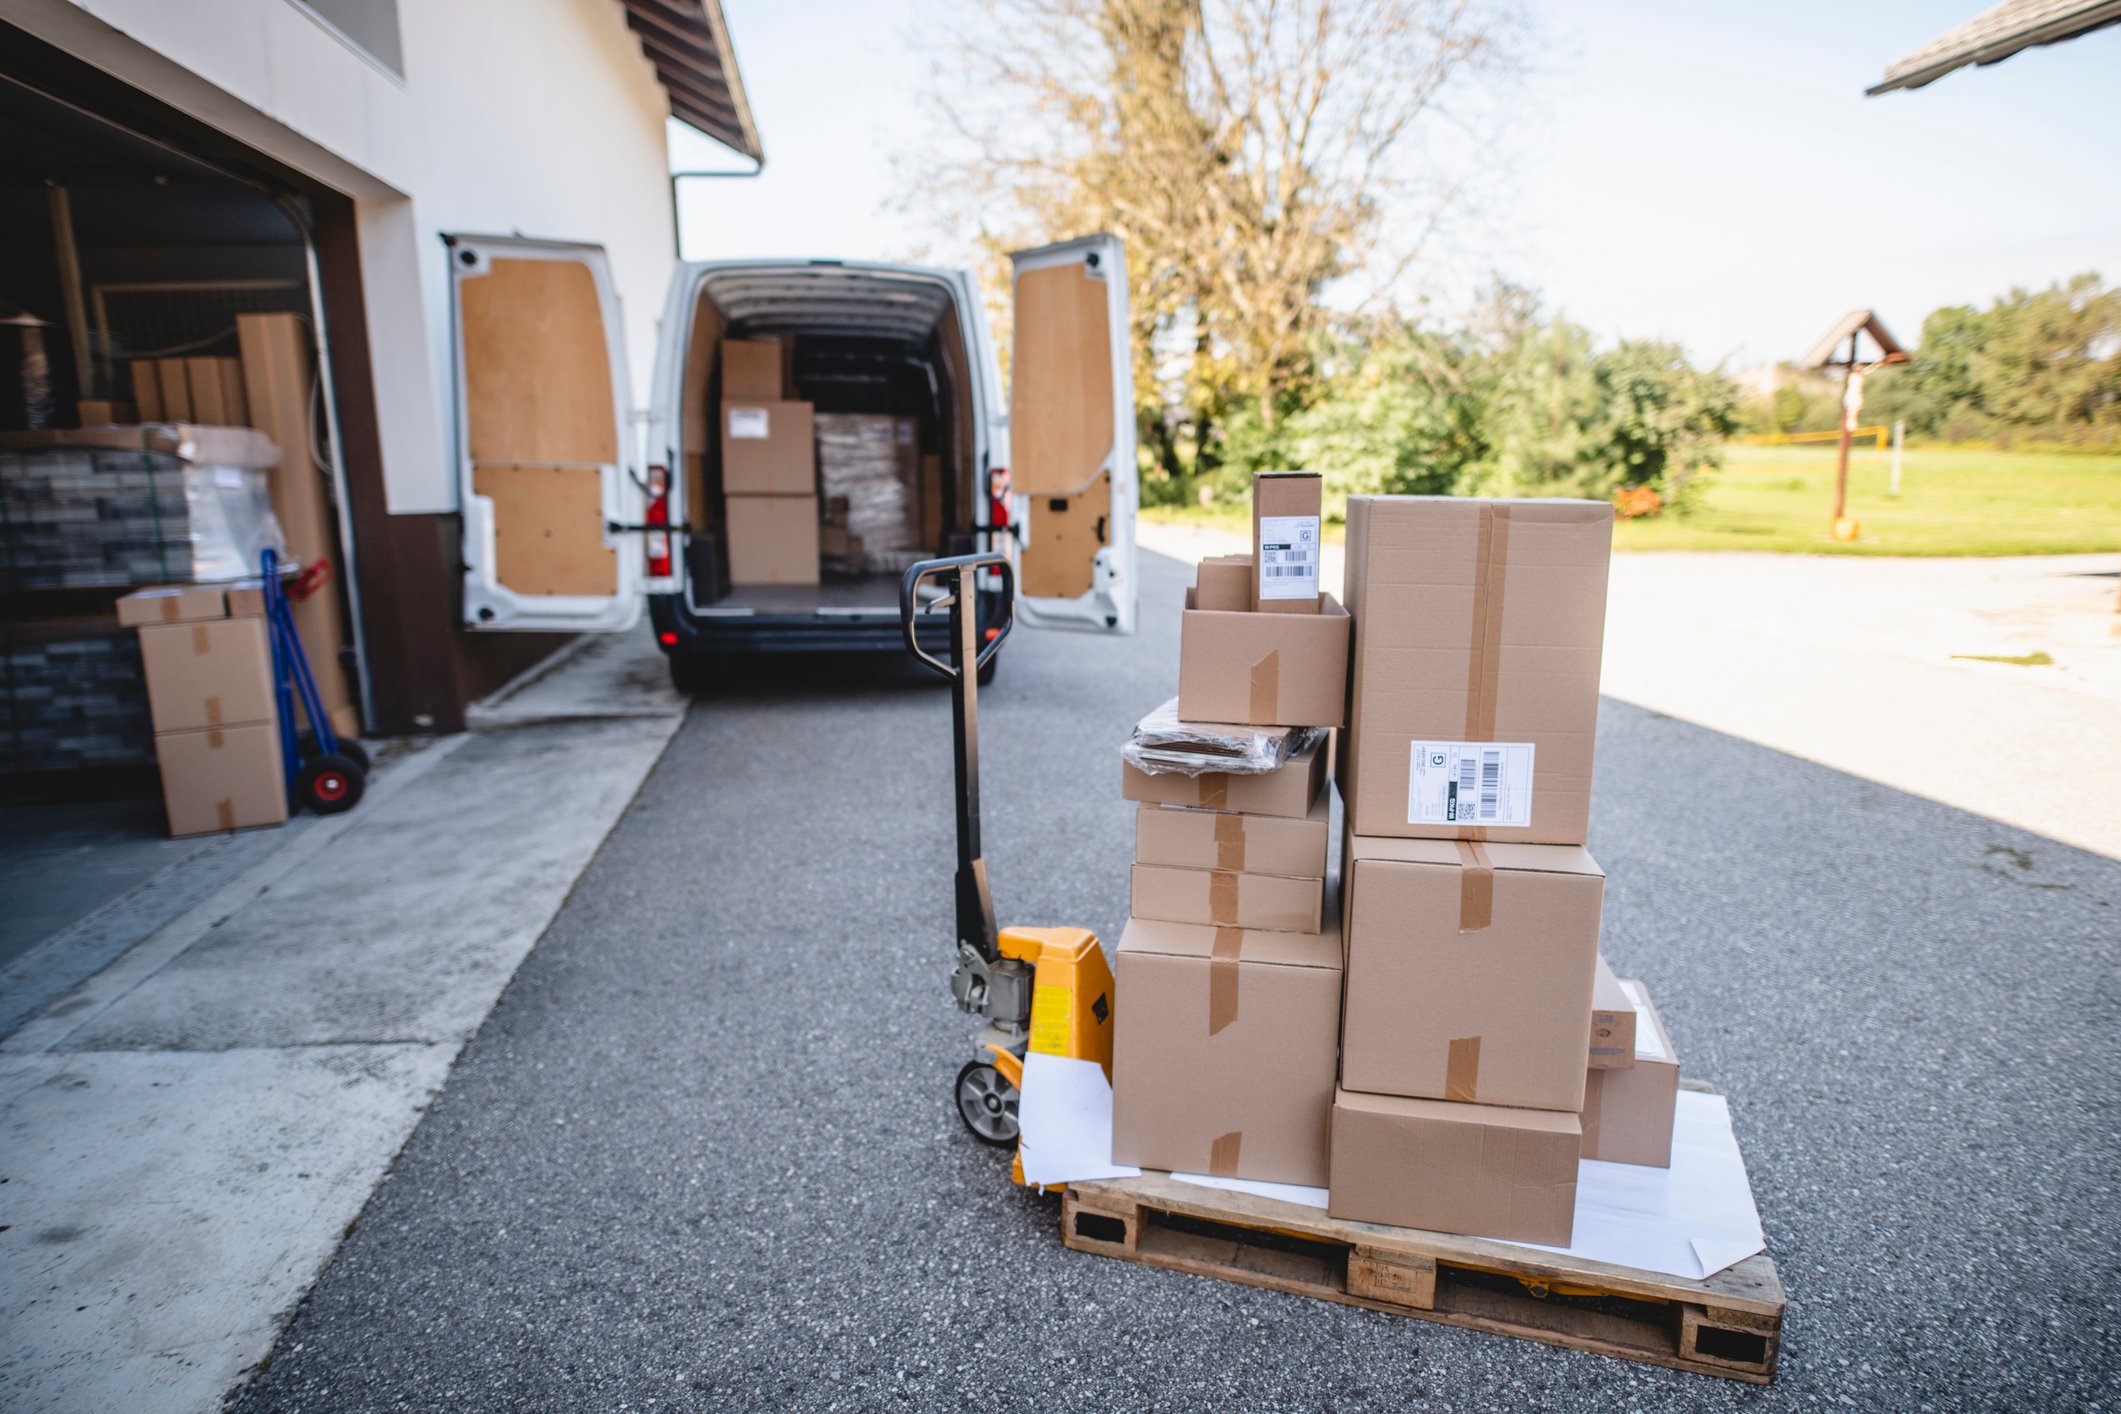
point(1060, 413)
point(1060, 552)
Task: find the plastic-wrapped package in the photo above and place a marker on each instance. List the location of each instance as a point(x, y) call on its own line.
point(858, 460)
point(1162, 744)
point(232, 521)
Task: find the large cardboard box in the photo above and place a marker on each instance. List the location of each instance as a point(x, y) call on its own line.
point(1223, 1050)
point(1612, 1021)
point(1469, 970)
point(768, 449)
point(1627, 1114)
point(754, 370)
point(1291, 790)
point(1189, 838)
point(1228, 899)
point(208, 673)
point(1263, 670)
point(222, 778)
point(1479, 1170)
point(1223, 584)
point(1287, 541)
point(773, 540)
point(1473, 706)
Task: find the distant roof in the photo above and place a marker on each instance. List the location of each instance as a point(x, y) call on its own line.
point(688, 42)
point(1856, 320)
point(1995, 34)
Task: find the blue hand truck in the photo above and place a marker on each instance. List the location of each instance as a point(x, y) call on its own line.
point(325, 772)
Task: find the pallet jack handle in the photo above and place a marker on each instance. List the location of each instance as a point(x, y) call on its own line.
point(975, 903)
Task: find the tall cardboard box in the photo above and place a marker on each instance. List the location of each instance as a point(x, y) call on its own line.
point(208, 673)
point(1479, 1170)
point(222, 778)
point(773, 539)
point(1191, 838)
point(1263, 670)
point(768, 449)
point(754, 370)
point(1628, 1114)
point(1469, 970)
point(1291, 790)
point(1473, 703)
point(1223, 1050)
point(1287, 541)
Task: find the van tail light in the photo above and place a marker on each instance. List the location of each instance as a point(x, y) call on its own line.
point(658, 541)
point(997, 513)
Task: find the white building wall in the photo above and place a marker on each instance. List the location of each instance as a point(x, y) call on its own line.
point(538, 117)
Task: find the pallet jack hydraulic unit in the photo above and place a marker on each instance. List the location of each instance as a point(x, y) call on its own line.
point(1042, 990)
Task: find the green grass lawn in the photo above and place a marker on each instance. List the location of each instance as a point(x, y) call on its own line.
point(1953, 501)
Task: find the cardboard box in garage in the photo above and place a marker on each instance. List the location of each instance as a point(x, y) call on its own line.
point(1612, 1021)
point(1470, 970)
point(1473, 702)
point(1627, 1114)
point(773, 539)
point(1191, 838)
point(222, 778)
point(1223, 1050)
point(1290, 790)
point(769, 449)
point(208, 673)
point(1480, 1170)
point(1228, 899)
point(1263, 670)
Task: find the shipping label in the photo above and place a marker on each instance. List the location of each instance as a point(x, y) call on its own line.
point(1288, 557)
point(1470, 783)
point(747, 424)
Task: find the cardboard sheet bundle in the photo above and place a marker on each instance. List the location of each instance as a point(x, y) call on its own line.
point(1433, 1038)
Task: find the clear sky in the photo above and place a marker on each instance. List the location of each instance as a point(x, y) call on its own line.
point(1706, 172)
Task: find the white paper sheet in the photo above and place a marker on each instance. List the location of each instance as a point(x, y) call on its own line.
point(1647, 1046)
point(1286, 1192)
point(1065, 1116)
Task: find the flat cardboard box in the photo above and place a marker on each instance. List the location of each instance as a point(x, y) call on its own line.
point(773, 540)
point(1475, 622)
point(1223, 584)
point(769, 449)
point(1287, 541)
point(1469, 970)
point(1291, 790)
point(1223, 1050)
point(1478, 1170)
point(223, 778)
point(1226, 898)
point(1612, 1021)
point(209, 673)
point(186, 603)
point(1190, 838)
point(1627, 1114)
point(753, 371)
point(1263, 670)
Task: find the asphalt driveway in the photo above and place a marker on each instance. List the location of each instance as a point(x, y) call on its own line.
point(701, 1155)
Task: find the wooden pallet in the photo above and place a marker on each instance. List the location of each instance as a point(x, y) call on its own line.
point(1729, 1325)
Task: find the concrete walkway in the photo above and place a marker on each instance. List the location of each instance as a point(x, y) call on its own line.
point(1872, 666)
point(189, 1133)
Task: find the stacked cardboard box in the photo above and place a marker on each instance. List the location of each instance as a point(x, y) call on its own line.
point(769, 467)
point(210, 695)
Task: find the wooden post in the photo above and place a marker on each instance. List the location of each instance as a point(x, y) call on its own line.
point(1848, 422)
point(1899, 429)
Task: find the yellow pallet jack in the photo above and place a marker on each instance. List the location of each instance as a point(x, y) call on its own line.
point(1047, 990)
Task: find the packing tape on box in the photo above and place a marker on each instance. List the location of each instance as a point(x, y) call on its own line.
point(202, 642)
point(1222, 897)
point(1230, 841)
point(1476, 887)
point(215, 738)
point(1484, 669)
point(1223, 977)
point(214, 715)
point(1214, 790)
point(1223, 1154)
point(1461, 1073)
point(1266, 688)
point(225, 814)
point(169, 609)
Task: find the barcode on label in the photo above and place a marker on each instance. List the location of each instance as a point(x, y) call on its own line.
point(1278, 571)
point(1490, 782)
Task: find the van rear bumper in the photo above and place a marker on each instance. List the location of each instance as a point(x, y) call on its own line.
point(797, 633)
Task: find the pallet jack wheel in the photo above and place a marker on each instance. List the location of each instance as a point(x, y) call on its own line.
point(330, 783)
point(986, 1102)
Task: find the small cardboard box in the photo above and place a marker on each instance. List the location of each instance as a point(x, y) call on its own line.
point(754, 370)
point(1627, 1114)
point(1228, 899)
point(1479, 1170)
point(1223, 584)
point(1223, 1050)
point(1612, 1021)
point(773, 540)
point(1263, 670)
point(1286, 541)
point(223, 778)
point(1290, 791)
point(187, 603)
point(1473, 701)
point(769, 449)
point(1469, 970)
point(208, 673)
point(1189, 838)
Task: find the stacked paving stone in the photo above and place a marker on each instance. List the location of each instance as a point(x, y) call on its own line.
point(72, 696)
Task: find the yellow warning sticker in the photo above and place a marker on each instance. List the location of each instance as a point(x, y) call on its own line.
point(1052, 1019)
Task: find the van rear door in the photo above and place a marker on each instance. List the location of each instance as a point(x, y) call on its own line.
point(541, 429)
point(1071, 434)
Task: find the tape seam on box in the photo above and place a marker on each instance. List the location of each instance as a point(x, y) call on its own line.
point(1222, 897)
point(1484, 667)
point(1266, 688)
point(1223, 1154)
point(1461, 1076)
point(1476, 887)
point(1223, 959)
point(1230, 841)
point(225, 813)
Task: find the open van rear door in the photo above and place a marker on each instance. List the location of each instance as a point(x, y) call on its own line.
point(1071, 434)
point(541, 430)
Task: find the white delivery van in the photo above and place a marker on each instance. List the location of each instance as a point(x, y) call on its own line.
point(576, 514)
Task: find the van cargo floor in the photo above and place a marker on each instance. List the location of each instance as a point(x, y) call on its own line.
point(873, 593)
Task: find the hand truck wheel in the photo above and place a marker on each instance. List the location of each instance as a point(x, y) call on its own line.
point(330, 783)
